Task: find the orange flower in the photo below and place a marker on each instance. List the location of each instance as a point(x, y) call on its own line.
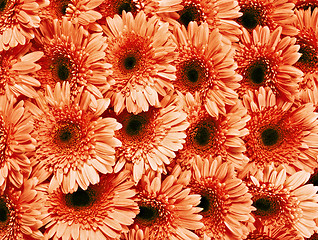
point(22, 211)
point(74, 143)
point(71, 54)
point(279, 134)
point(284, 201)
point(103, 211)
point(16, 143)
point(266, 59)
point(141, 52)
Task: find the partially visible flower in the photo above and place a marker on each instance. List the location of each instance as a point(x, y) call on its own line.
point(16, 142)
point(268, 13)
point(22, 211)
point(140, 51)
point(266, 59)
point(75, 144)
point(224, 199)
point(205, 64)
point(103, 211)
point(149, 139)
point(212, 134)
point(17, 67)
point(18, 20)
point(72, 54)
point(279, 133)
point(268, 233)
point(167, 209)
point(284, 201)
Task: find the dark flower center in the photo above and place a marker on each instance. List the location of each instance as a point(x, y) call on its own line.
point(193, 75)
point(204, 203)
point(4, 212)
point(126, 6)
point(135, 124)
point(313, 237)
point(61, 69)
point(130, 62)
point(262, 204)
point(3, 4)
point(188, 14)
point(80, 198)
point(147, 213)
point(67, 134)
point(308, 54)
point(314, 178)
point(202, 136)
point(250, 18)
point(203, 133)
point(256, 73)
point(270, 137)
point(266, 206)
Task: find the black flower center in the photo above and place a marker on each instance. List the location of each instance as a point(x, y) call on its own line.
point(188, 14)
point(314, 178)
point(204, 203)
point(3, 4)
point(130, 62)
point(308, 54)
point(256, 73)
point(266, 206)
point(80, 198)
point(4, 212)
point(147, 213)
point(202, 136)
point(67, 134)
point(61, 69)
point(135, 124)
point(263, 204)
point(126, 6)
point(250, 18)
point(191, 74)
point(270, 137)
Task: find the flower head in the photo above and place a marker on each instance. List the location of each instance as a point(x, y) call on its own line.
point(141, 52)
point(75, 144)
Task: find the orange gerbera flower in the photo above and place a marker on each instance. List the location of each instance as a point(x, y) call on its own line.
point(21, 211)
point(205, 64)
point(18, 20)
point(212, 134)
point(166, 209)
point(284, 201)
point(17, 67)
point(74, 143)
point(268, 13)
point(266, 59)
point(141, 52)
point(71, 54)
point(16, 143)
point(280, 134)
point(103, 211)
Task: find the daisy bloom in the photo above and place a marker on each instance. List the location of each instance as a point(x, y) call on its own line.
point(18, 20)
point(16, 69)
point(101, 212)
point(284, 201)
point(268, 13)
point(216, 14)
point(166, 210)
point(308, 62)
point(72, 54)
point(225, 203)
point(162, 131)
point(75, 144)
point(141, 53)
point(211, 133)
point(279, 133)
point(269, 233)
point(266, 59)
point(16, 142)
point(205, 64)
point(22, 211)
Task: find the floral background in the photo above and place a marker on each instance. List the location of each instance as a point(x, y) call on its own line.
point(158, 119)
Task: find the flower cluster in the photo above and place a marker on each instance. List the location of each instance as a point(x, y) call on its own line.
point(158, 119)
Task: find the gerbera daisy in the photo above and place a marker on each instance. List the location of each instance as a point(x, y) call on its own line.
point(266, 59)
point(16, 69)
point(141, 53)
point(308, 62)
point(211, 133)
point(162, 131)
point(217, 14)
point(205, 64)
point(267, 233)
point(284, 201)
point(75, 144)
point(103, 211)
point(21, 211)
point(16, 142)
point(18, 20)
point(224, 199)
point(268, 13)
point(166, 209)
point(279, 133)
point(71, 54)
